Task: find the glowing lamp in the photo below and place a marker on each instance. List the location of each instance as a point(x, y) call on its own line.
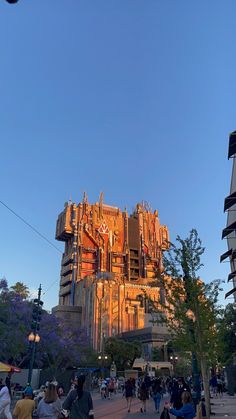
point(31, 337)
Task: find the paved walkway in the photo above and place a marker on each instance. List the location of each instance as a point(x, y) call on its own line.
point(116, 408)
point(224, 407)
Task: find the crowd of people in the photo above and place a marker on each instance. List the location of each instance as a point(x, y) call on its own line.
point(155, 389)
point(51, 401)
point(145, 388)
point(177, 391)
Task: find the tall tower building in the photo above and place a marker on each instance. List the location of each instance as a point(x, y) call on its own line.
point(110, 270)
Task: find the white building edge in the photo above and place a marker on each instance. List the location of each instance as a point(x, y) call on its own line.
point(229, 231)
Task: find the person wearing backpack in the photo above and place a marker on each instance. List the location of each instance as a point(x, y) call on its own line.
point(79, 402)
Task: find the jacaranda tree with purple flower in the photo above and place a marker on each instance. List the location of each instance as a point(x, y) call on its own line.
point(61, 345)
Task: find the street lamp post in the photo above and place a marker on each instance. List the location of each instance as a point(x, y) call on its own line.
point(34, 337)
point(173, 360)
point(33, 340)
point(103, 358)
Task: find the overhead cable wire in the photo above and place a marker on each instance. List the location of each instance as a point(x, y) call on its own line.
point(30, 226)
point(50, 286)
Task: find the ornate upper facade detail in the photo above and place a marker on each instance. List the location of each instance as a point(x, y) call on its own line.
point(111, 265)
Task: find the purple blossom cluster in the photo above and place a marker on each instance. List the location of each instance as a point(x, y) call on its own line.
point(61, 345)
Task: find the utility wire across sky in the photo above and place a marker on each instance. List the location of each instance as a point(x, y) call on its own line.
point(30, 226)
point(35, 231)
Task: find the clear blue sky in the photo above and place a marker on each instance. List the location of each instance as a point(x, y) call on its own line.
point(135, 98)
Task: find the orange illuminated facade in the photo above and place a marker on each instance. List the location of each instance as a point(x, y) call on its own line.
point(110, 268)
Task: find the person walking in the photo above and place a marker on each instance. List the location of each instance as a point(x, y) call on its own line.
point(103, 389)
point(79, 402)
point(143, 396)
point(50, 406)
point(177, 391)
point(111, 388)
point(187, 411)
point(219, 386)
point(129, 392)
point(148, 383)
point(5, 402)
point(213, 384)
point(24, 408)
point(156, 394)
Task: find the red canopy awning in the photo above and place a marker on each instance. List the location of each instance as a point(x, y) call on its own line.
point(8, 368)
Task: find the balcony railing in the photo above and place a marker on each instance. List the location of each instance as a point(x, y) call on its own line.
point(66, 280)
point(65, 290)
point(66, 269)
point(67, 258)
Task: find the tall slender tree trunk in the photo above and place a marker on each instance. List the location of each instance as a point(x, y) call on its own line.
point(205, 379)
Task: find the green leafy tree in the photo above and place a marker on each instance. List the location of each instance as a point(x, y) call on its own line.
point(227, 332)
point(157, 355)
point(190, 304)
point(183, 366)
point(21, 289)
point(123, 353)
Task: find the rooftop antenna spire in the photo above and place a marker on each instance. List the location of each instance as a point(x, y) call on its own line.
point(70, 200)
point(85, 198)
point(101, 204)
